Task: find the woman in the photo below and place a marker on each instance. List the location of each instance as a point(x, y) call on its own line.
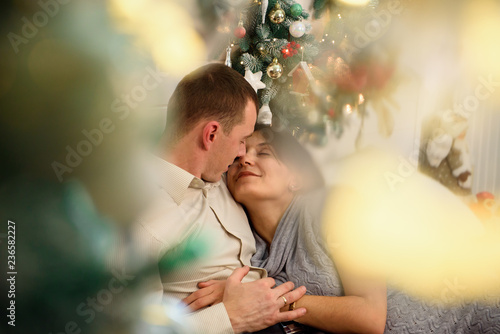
point(268, 181)
point(275, 182)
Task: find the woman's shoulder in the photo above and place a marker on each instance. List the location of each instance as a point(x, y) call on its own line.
point(314, 199)
point(314, 203)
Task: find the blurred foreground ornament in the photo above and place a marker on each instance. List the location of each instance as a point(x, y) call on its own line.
point(265, 115)
point(391, 214)
point(254, 79)
point(313, 117)
point(275, 70)
point(277, 15)
point(167, 317)
point(355, 2)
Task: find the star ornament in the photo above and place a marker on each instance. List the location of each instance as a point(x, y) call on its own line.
point(254, 79)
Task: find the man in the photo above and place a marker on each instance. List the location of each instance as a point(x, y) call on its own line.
point(210, 114)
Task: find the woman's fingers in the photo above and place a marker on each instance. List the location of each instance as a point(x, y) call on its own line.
point(203, 302)
point(207, 283)
point(197, 295)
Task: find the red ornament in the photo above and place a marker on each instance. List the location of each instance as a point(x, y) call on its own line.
point(484, 205)
point(331, 112)
point(379, 74)
point(484, 195)
point(350, 79)
point(290, 49)
point(240, 32)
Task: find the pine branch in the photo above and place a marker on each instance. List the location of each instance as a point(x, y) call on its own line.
point(270, 92)
point(250, 62)
point(275, 46)
point(288, 22)
point(285, 5)
point(244, 43)
point(265, 58)
point(263, 31)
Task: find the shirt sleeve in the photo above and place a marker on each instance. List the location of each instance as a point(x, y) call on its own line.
point(211, 320)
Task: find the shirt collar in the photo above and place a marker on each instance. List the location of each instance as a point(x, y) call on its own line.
point(176, 180)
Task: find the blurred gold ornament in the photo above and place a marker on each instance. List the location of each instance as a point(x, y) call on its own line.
point(277, 15)
point(275, 70)
point(395, 223)
point(355, 2)
point(164, 29)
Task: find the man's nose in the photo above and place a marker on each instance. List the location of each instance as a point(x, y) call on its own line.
point(241, 150)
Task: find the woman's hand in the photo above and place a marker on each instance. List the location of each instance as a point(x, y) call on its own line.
point(209, 293)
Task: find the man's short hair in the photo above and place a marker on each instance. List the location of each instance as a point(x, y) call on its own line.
point(212, 92)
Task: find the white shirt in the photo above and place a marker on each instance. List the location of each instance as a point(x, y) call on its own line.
point(188, 206)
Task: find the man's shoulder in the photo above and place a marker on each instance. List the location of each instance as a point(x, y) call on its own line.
point(163, 215)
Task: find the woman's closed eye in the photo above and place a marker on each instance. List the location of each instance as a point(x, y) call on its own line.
point(266, 152)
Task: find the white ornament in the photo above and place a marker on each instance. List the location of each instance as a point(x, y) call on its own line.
point(254, 79)
point(265, 115)
point(264, 4)
point(313, 117)
point(438, 148)
point(228, 57)
point(297, 29)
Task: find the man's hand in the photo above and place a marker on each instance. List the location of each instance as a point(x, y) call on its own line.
point(210, 293)
point(256, 305)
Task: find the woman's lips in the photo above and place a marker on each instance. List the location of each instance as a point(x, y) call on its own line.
point(245, 174)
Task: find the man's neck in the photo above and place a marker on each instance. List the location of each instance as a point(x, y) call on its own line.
point(265, 216)
point(184, 154)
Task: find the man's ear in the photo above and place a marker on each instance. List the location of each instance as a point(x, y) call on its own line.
point(211, 131)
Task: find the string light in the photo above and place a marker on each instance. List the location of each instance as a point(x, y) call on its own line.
point(348, 109)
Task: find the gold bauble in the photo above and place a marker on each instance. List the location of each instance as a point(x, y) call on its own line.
point(275, 70)
point(262, 49)
point(277, 15)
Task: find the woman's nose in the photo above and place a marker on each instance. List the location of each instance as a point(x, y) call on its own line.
point(245, 159)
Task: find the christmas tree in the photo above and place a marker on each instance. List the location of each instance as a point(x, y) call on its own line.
point(273, 40)
point(305, 84)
